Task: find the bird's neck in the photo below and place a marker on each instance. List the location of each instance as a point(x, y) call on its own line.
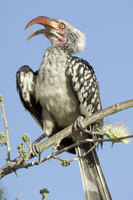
point(54, 61)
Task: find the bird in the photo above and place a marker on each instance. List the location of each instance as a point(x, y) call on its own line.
point(63, 91)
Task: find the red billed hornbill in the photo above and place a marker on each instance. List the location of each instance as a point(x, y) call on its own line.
point(62, 92)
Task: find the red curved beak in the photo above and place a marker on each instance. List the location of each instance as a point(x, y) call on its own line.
point(46, 22)
point(39, 20)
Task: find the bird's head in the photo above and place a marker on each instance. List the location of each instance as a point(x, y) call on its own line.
point(59, 32)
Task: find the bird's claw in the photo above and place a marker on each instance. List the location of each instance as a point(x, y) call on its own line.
point(78, 124)
point(35, 146)
point(35, 149)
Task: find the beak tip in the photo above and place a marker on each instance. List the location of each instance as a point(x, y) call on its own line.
point(26, 27)
point(27, 39)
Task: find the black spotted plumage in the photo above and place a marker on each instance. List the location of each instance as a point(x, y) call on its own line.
point(85, 85)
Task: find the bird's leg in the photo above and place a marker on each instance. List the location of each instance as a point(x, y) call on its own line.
point(48, 126)
point(35, 145)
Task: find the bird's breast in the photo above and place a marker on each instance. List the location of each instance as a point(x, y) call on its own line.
point(55, 94)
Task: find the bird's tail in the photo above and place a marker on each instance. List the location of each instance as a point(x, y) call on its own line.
point(94, 183)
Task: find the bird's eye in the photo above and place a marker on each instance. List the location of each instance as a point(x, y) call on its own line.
point(62, 26)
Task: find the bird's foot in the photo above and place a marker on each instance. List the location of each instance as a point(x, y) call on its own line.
point(36, 151)
point(78, 124)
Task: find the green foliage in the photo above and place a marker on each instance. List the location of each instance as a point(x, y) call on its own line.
point(26, 139)
point(64, 162)
point(2, 139)
point(1, 98)
point(22, 151)
point(44, 192)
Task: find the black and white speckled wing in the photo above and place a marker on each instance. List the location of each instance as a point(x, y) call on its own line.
point(85, 85)
point(25, 80)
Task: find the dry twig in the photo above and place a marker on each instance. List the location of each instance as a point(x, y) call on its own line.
point(6, 129)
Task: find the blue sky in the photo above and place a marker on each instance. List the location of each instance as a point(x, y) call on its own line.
point(108, 26)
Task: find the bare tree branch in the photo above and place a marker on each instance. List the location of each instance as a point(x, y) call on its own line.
point(87, 121)
point(6, 129)
point(19, 163)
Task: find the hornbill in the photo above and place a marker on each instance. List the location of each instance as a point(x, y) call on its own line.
point(63, 91)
